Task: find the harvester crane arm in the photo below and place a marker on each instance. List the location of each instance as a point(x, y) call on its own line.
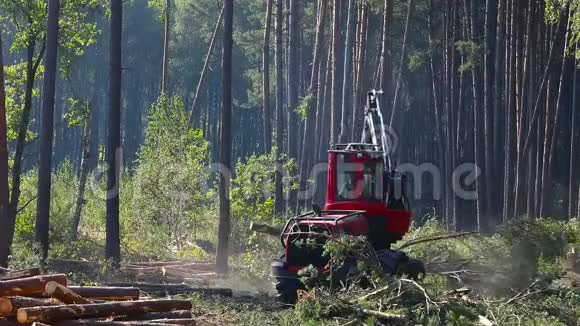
point(374, 131)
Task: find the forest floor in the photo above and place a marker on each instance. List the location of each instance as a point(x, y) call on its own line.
point(526, 274)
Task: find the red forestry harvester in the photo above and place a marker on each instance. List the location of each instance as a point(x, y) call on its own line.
point(365, 197)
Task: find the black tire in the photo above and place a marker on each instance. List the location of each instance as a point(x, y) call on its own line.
point(413, 268)
point(288, 289)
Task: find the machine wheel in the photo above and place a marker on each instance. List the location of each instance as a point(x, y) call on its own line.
point(413, 268)
point(287, 283)
point(288, 289)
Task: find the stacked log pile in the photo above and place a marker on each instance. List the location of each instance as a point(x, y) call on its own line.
point(29, 298)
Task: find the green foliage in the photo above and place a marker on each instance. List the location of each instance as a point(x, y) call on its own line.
point(78, 112)
point(160, 6)
point(552, 14)
point(472, 53)
point(27, 21)
point(252, 199)
point(304, 107)
point(169, 202)
point(418, 59)
point(15, 83)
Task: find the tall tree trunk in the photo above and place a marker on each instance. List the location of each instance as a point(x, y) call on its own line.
point(386, 57)
point(205, 67)
point(17, 167)
point(573, 181)
point(403, 61)
point(309, 123)
point(166, 35)
point(435, 91)
point(86, 155)
point(510, 109)
point(46, 132)
point(478, 125)
point(489, 74)
point(225, 141)
point(293, 79)
point(551, 122)
point(326, 122)
point(279, 208)
point(532, 69)
point(336, 73)
point(266, 77)
point(4, 191)
point(114, 150)
point(499, 105)
point(357, 105)
point(546, 207)
point(348, 49)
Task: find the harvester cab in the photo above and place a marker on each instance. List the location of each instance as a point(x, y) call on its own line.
point(365, 197)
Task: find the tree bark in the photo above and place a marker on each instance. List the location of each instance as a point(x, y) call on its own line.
point(360, 93)
point(309, 123)
point(225, 141)
point(546, 206)
point(279, 189)
point(348, 49)
point(489, 75)
point(9, 306)
point(336, 73)
point(107, 293)
point(101, 322)
point(205, 67)
point(403, 61)
point(171, 289)
point(266, 77)
point(56, 313)
point(14, 275)
point(386, 57)
point(114, 150)
point(166, 35)
point(293, 79)
point(499, 104)
point(29, 286)
point(573, 181)
point(86, 156)
point(64, 294)
point(4, 191)
point(32, 65)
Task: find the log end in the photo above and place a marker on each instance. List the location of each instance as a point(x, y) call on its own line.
point(51, 288)
point(22, 316)
point(5, 306)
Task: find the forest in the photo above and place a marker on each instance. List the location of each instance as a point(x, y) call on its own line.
point(164, 130)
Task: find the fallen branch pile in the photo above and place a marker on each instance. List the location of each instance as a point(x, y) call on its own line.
point(28, 298)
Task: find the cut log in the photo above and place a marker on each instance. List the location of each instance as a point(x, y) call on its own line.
point(266, 229)
point(199, 267)
point(57, 313)
point(107, 293)
point(178, 314)
point(93, 322)
point(190, 322)
point(10, 305)
point(14, 275)
point(174, 289)
point(29, 286)
point(64, 294)
point(167, 263)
